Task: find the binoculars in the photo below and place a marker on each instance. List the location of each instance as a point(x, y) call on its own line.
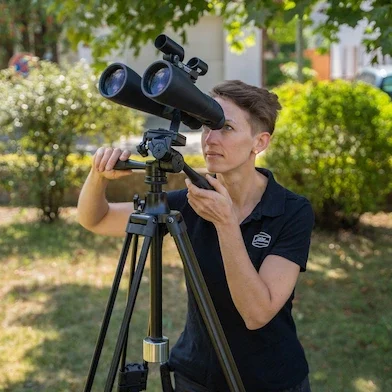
point(167, 85)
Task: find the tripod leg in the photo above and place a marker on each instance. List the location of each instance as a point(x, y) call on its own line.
point(148, 231)
point(165, 378)
point(131, 274)
point(108, 313)
point(156, 285)
point(177, 229)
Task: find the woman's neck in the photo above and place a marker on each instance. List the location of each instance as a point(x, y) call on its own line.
point(245, 189)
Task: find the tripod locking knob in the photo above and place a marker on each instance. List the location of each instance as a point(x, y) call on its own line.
point(133, 378)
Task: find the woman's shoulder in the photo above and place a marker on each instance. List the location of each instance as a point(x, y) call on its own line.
point(299, 207)
point(296, 198)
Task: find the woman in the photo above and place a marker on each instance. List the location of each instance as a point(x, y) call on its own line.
point(251, 238)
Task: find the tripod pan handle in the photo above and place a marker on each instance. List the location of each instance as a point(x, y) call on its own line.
point(129, 165)
point(197, 179)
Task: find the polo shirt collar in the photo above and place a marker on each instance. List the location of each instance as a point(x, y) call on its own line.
point(272, 202)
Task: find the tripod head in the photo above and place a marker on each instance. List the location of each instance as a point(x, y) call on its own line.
point(159, 142)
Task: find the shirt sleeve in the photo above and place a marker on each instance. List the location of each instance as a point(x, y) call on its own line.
point(177, 199)
point(293, 242)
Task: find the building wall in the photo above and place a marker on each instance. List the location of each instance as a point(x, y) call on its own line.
point(246, 66)
point(206, 40)
point(348, 56)
point(321, 63)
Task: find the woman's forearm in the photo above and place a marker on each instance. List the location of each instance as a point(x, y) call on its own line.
point(92, 203)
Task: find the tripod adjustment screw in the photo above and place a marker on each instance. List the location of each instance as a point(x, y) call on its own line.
point(136, 202)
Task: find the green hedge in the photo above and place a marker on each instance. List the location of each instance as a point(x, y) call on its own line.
point(333, 144)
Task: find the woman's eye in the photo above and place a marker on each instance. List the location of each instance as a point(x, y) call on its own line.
point(227, 127)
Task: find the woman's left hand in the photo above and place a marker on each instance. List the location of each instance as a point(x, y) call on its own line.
point(213, 206)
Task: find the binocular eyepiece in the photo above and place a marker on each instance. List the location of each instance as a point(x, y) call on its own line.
point(166, 85)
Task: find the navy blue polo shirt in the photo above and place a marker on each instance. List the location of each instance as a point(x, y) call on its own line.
point(270, 358)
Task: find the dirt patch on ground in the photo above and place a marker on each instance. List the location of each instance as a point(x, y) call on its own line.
point(19, 214)
point(14, 214)
point(381, 219)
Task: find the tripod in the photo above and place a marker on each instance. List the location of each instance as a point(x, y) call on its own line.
point(152, 219)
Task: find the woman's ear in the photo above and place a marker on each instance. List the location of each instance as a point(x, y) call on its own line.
point(261, 142)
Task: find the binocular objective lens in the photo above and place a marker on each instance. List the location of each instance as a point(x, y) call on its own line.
point(159, 81)
point(114, 82)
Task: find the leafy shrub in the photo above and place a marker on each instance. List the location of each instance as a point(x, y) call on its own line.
point(44, 114)
point(195, 161)
point(277, 72)
point(15, 171)
point(333, 143)
point(290, 72)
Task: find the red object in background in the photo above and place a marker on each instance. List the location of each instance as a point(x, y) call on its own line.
point(22, 62)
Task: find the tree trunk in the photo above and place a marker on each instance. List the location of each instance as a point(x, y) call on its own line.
point(275, 48)
point(6, 53)
point(26, 44)
point(263, 62)
point(54, 51)
point(299, 47)
point(55, 32)
point(39, 40)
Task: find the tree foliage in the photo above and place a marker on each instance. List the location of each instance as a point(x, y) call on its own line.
point(28, 26)
point(44, 115)
point(377, 13)
point(131, 24)
point(333, 144)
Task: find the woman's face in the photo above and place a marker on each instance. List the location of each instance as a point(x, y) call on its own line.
point(233, 145)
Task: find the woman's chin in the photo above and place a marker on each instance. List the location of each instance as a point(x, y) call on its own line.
point(211, 167)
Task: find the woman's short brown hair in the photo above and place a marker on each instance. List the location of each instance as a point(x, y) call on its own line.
point(261, 104)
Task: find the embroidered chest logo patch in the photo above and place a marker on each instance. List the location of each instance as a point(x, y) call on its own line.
point(261, 240)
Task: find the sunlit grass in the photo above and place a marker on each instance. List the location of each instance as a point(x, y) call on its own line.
point(365, 385)
point(56, 279)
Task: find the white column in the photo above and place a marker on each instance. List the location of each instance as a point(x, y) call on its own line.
point(336, 61)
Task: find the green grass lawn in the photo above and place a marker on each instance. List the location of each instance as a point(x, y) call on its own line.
point(55, 282)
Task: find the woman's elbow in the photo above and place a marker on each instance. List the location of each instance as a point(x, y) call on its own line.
point(253, 325)
point(87, 224)
point(258, 321)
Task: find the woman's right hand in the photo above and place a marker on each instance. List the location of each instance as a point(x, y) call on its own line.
point(104, 160)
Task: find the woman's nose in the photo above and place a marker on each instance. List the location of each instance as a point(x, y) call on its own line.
point(210, 135)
